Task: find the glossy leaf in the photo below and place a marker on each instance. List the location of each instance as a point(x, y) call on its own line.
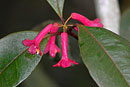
point(125, 25)
point(16, 64)
point(106, 55)
point(57, 5)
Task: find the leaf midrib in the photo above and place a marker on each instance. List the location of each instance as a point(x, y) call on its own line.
point(58, 8)
point(105, 52)
point(15, 58)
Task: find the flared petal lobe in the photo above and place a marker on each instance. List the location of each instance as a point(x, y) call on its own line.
point(28, 42)
point(65, 61)
point(53, 50)
point(34, 44)
point(32, 49)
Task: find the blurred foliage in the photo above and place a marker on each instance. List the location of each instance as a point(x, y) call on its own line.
point(124, 5)
point(125, 25)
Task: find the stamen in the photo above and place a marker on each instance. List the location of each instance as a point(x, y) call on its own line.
point(37, 51)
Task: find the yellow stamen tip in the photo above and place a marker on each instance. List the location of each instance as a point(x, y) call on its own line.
point(65, 26)
point(37, 50)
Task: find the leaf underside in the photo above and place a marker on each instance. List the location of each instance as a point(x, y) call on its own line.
point(57, 5)
point(125, 25)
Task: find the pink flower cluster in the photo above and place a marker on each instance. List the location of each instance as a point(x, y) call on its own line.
point(51, 47)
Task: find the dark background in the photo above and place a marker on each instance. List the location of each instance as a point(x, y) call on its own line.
point(17, 15)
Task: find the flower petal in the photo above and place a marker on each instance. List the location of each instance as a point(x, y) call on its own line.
point(28, 42)
point(72, 61)
point(42, 34)
point(32, 49)
point(86, 21)
point(53, 50)
point(80, 18)
point(51, 47)
point(93, 24)
point(97, 20)
point(64, 62)
point(76, 29)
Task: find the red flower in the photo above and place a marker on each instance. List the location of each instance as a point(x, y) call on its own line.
point(65, 61)
point(85, 21)
point(51, 47)
point(34, 44)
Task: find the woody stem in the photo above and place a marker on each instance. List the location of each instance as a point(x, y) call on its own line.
point(62, 20)
point(69, 31)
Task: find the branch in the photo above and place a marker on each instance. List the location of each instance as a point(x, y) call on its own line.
point(69, 31)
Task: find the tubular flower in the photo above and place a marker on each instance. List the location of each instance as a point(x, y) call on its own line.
point(34, 44)
point(51, 47)
point(65, 61)
point(87, 22)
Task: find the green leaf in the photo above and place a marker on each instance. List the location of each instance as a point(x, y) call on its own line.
point(57, 5)
point(125, 25)
point(106, 55)
point(16, 64)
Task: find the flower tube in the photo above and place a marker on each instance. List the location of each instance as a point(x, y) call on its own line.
point(34, 44)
